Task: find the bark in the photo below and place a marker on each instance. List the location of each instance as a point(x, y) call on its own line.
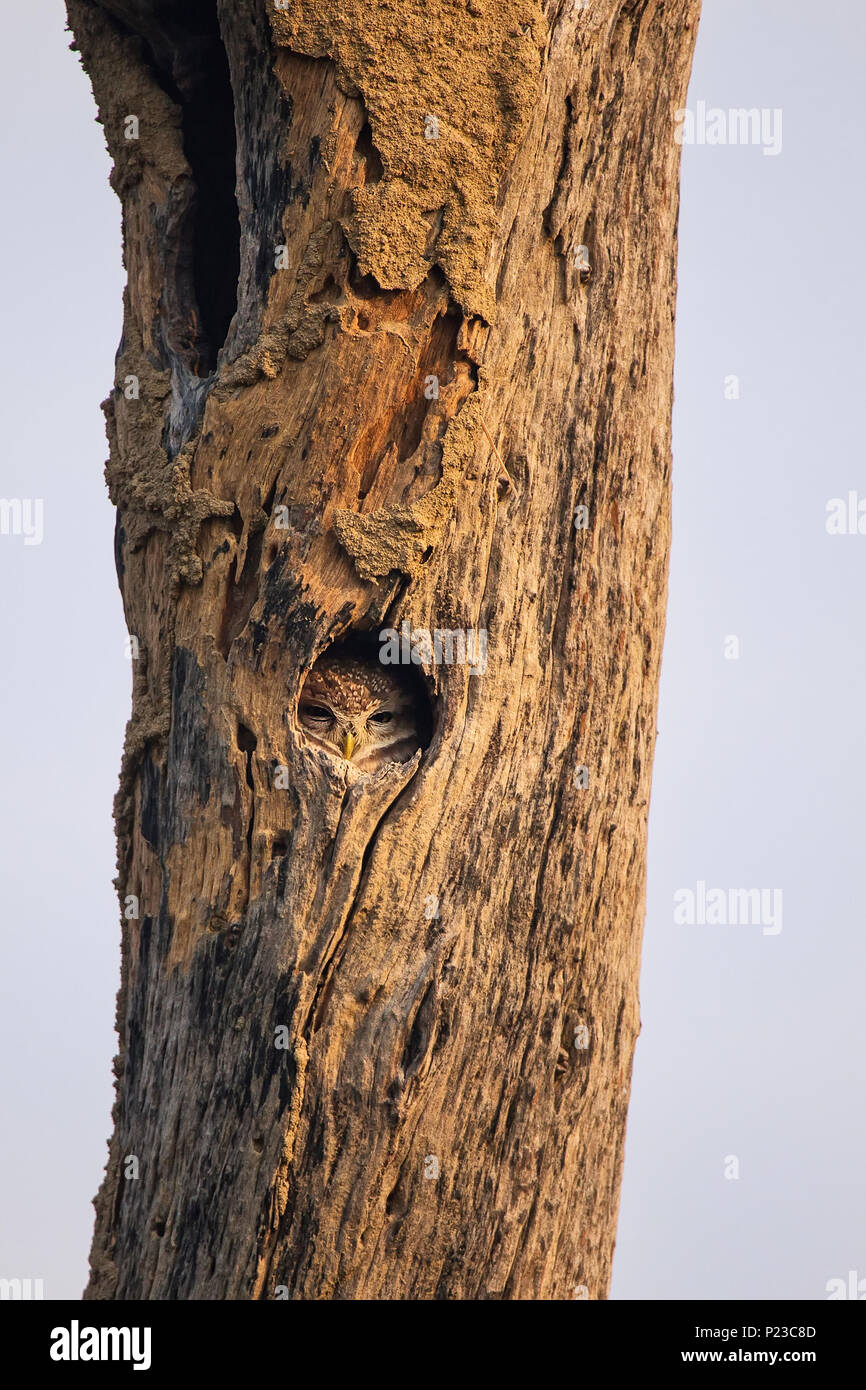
point(376, 1033)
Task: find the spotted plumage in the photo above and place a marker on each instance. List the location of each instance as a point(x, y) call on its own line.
point(358, 711)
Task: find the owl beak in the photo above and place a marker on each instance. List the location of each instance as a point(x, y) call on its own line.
point(349, 742)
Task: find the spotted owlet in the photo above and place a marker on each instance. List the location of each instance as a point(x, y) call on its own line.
point(358, 711)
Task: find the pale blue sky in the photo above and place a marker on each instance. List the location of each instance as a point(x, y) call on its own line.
point(753, 1045)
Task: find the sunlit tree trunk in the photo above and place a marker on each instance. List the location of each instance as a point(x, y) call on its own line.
point(397, 349)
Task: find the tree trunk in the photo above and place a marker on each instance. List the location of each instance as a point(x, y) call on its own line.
point(397, 349)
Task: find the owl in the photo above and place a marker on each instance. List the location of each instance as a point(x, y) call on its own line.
point(357, 710)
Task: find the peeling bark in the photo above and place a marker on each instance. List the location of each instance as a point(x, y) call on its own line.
point(376, 1032)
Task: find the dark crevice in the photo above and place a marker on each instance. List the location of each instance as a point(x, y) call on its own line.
point(183, 47)
point(631, 14)
point(367, 153)
point(420, 1033)
point(328, 294)
point(241, 591)
point(561, 269)
point(440, 353)
point(561, 175)
point(209, 145)
point(367, 286)
point(247, 743)
point(397, 1202)
point(324, 994)
point(316, 1012)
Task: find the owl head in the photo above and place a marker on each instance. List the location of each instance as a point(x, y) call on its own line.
point(358, 711)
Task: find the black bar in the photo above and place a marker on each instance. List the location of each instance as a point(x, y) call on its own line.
point(259, 1339)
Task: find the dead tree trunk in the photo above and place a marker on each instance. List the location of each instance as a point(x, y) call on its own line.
point(397, 348)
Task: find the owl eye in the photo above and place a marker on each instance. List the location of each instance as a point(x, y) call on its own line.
point(316, 712)
point(383, 717)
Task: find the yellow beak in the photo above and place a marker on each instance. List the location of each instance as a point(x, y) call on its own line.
point(349, 742)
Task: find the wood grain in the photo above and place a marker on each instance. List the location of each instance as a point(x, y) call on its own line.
point(432, 939)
